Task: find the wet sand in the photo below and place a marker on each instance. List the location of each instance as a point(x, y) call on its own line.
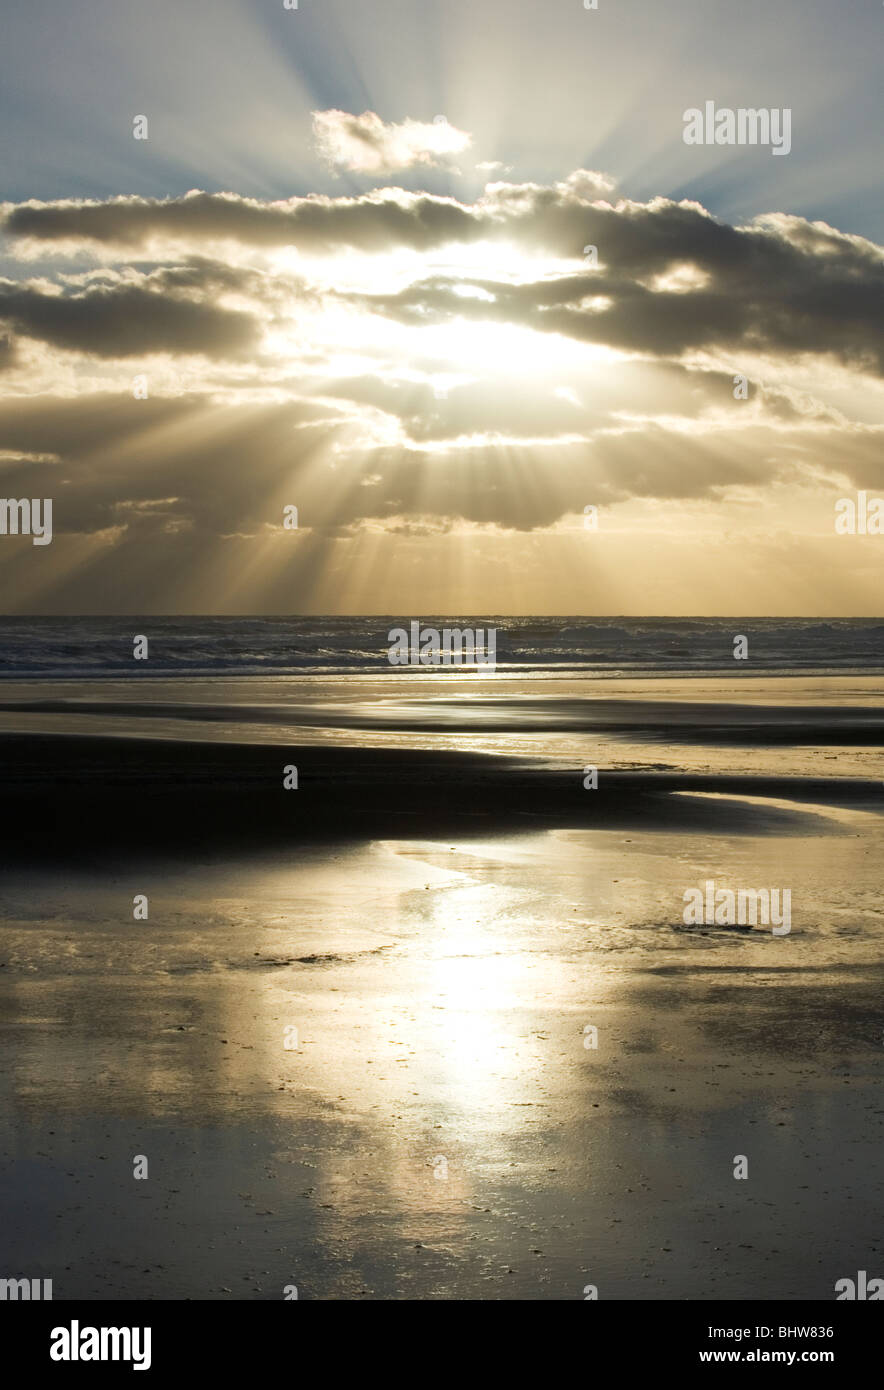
point(77, 796)
point(440, 931)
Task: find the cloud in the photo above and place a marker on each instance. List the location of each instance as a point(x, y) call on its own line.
point(670, 278)
point(783, 287)
point(400, 366)
point(367, 145)
point(541, 217)
point(125, 319)
point(619, 397)
point(8, 356)
point(190, 465)
point(113, 461)
point(375, 222)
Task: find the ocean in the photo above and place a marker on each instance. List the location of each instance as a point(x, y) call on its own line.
point(66, 648)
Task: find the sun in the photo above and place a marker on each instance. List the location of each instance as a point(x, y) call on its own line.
point(486, 349)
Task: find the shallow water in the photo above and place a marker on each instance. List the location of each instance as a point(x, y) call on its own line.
point(440, 993)
point(660, 724)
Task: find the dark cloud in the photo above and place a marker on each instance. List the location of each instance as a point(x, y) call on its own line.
point(786, 302)
point(780, 285)
point(161, 466)
point(145, 464)
point(125, 320)
point(371, 223)
point(671, 283)
point(533, 406)
point(526, 487)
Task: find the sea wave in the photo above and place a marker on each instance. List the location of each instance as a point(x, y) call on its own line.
point(55, 648)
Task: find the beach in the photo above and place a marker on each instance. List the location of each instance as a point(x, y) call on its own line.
point(353, 1037)
point(441, 673)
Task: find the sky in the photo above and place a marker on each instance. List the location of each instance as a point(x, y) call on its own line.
point(447, 279)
